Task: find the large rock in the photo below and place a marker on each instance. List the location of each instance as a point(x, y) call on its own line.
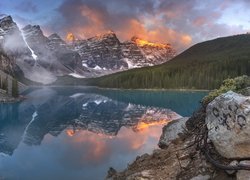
point(172, 131)
point(228, 122)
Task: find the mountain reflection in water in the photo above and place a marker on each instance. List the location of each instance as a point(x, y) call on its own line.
point(75, 133)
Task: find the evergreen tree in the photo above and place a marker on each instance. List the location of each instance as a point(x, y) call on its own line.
point(15, 91)
point(1, 84)
point(5, 84)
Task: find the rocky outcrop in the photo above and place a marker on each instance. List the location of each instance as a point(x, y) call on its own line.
point(178, 160)
point(172, 131)
point(228, 122)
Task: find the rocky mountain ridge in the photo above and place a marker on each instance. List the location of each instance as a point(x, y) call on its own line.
point(43, 59)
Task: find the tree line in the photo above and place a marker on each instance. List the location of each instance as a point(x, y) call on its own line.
point(4, 85)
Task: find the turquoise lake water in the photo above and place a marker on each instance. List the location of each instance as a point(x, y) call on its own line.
point(79, 132)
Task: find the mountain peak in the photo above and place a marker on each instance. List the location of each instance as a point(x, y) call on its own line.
point(142, 43)
point(108, 34)
point(5, 18)
point(54, 36)
point(6, 21)
point(33, 32)
point(32, 28)
point(56, 41)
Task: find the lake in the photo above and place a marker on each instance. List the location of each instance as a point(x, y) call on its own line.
point(79, 132)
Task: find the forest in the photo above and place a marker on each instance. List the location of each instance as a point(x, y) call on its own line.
point(203, 66)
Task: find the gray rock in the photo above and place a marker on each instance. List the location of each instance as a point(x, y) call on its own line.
point(172, 131)
point(201, 177)
point(243, 175)
point(228, 121)
point(233, 163)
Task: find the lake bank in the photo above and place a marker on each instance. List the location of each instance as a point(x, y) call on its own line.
point(7, 99)
point(181, 90)
point(124, 89)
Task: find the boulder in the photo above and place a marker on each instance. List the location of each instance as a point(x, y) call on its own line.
point(228, 122)
point(172, 131)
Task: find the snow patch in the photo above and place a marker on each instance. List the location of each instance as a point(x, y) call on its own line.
point(98, 102)
point(97, 67)
point(130, 64)
point(77, 95)
point(76, 75)
point(84, 65)
point(34, 115)
point(85, 105)
point(31, 50)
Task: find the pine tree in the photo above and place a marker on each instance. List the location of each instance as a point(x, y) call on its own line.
point(5, 84)
point(1, 84)
point(15, 91)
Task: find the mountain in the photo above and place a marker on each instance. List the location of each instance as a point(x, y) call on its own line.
point(105, 52)
point(203, 66)
point(43, 59)
point(22, 58)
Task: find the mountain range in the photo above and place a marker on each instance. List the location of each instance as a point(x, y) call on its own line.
point(29, 55)
point(202, 66)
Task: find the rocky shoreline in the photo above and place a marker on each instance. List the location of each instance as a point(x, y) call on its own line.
point(7, 99)
point(175, 160)
point(212, 144)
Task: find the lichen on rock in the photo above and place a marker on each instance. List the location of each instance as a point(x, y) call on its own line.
point(228, 123)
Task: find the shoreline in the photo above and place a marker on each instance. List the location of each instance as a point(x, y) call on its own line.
point(122, 89)
point(9, 100)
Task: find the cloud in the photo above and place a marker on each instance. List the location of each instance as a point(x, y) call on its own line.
point(178, 22)
point(26, 6)
point(127, 18)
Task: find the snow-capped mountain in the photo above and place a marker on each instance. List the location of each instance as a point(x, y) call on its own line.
point(43, 59)
point(105, 52)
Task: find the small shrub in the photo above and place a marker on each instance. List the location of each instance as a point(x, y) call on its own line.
point(237, 84)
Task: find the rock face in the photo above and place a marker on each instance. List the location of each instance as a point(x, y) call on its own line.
point(106, 53)
point(228, 121)
point(100, 52)
point(172, 131)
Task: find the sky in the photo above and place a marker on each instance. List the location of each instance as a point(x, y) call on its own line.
point(181, 23)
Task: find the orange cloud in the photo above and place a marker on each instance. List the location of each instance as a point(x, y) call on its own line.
point(157, 33)
point(199, 21)
point(149, 28)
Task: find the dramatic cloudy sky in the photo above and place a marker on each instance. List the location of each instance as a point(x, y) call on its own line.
point(179, 22)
